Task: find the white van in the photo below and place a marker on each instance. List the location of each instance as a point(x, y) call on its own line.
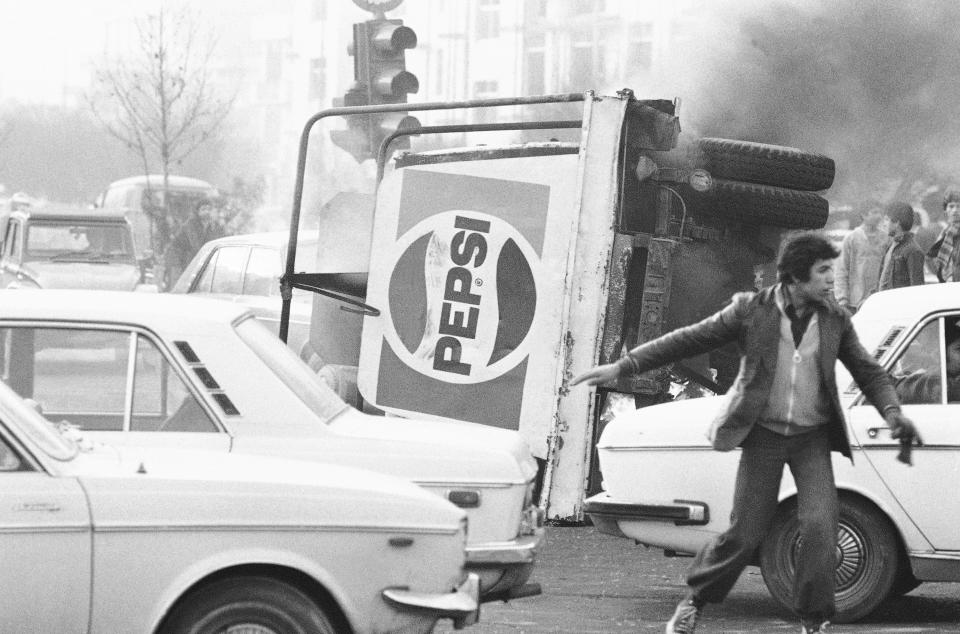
point(137, 194)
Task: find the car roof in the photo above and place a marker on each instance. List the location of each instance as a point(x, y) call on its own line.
point(156, 180)
point(156, 311)
point(266, 238)
point(72, 214)
point(908, 304)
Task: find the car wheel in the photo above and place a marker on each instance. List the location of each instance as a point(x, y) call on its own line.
point(259, 605)
point(765, 164)
point(762, 204)
point(867, 559)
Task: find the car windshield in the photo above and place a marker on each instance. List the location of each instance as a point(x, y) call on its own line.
point(66, 241)
point(288, 367)
point(24, 420)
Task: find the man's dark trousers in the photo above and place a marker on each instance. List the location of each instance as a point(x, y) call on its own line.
point(719, 563)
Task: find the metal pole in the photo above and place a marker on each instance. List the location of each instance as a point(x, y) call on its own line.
point(286, 288)
point(473, 127)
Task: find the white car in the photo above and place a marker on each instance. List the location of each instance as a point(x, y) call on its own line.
point(246, 269)
point(68, 247)
point(104, 541)
point(665, 487)
point(179, 371)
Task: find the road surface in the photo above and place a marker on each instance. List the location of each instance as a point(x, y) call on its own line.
point(595, 583)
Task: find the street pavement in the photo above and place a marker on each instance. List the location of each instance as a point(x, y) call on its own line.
point(596, 583)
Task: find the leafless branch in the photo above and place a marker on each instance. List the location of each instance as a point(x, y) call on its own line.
point(159, 100)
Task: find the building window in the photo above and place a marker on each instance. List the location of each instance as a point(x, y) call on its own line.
point(318, 78)
point(535, 68)
point(318, 9)
point(440, 69)
point(582, 7)
point(273, 61)
point(488, 19)
point(486, 88)
point(640, 51)
point(535, 71)
point(536, 9)
point(581, 74)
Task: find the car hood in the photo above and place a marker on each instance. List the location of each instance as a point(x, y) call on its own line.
point(420, 450)
point(199, 487)
point(85, 275)
point(682, 423)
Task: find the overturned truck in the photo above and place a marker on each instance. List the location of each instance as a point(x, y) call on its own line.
point(482, 276)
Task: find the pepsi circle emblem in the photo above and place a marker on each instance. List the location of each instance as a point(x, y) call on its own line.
point(462, 297)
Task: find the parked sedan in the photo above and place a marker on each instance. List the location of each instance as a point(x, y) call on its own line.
point(100, 540)
point(665, 487)
point(178, 371)
point(246, 269)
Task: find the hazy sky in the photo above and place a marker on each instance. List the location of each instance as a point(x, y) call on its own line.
point(45, 44)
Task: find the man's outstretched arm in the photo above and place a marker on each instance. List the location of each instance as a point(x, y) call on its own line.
point(720, 328)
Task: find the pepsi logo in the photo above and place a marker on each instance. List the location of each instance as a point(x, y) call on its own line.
point(462, 296)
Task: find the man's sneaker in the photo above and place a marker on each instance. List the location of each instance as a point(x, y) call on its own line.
point(810, 628)
point(684, 619)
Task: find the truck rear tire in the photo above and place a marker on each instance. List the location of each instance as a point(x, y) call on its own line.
point(761, 204)
point(764, 164)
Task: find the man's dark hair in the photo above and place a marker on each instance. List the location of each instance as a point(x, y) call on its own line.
point(952, 195)
point(901, 213)
point(798, 254)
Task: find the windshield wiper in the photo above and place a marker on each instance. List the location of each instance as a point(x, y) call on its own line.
point(81, 256)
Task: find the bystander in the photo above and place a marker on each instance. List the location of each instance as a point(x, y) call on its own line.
point(861, 254)
point(903, 262)
point(946, 250)
point(202, 226)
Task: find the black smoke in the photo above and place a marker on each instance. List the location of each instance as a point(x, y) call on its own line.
point(874, 84)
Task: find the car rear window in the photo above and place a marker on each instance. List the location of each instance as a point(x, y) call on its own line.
point(288, 367)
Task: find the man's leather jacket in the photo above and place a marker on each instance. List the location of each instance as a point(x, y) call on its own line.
point(752, 320)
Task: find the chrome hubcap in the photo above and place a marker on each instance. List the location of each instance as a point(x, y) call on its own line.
point(851, 557)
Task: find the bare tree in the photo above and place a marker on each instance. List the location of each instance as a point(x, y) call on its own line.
point(159, 101)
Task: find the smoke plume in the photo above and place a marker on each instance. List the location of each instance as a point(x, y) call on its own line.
point(874, 85)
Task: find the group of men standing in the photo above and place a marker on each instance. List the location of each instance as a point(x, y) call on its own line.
point(882, 253)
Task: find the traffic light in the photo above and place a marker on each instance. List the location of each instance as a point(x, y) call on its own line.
point(356, 138)
point(380, 60)
point(379, 69)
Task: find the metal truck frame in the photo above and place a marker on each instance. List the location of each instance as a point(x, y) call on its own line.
point(595, 246)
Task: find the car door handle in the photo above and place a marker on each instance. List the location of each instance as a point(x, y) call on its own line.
point(43, 507)
point(873, 432)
